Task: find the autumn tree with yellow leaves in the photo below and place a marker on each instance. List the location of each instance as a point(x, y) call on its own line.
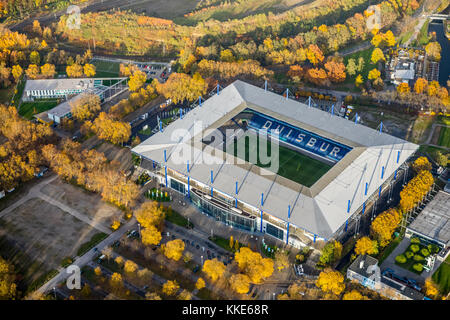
point(151, 235)
point(330, 281)
point(240, 283)
point(415, 190)
point(173, 249)
point(150, 214)
point(74, 71)
point(170, 288)
point(421, 163)
point(354, 295)
point(85, 107)
point(106, 128)
point(431, 288)
point(214, 269)
point(180, 87)
point(137, 80)
point(200, 284)
point(7, 276)
point(365, 245)
point(384, 225)
point(254, 265)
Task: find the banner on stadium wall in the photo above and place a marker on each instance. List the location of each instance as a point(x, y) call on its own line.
point(299, 138)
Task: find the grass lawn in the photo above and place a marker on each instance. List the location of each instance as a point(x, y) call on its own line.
point(106, 68)
point(292, 164)
point(29, 109)
point(442, 276)
point(176, 218)
point(444, 137)
point(224, 243)
point(422, 37)
point(146, 132)
point(388, 249)
point(96, 238)
point(366, 55)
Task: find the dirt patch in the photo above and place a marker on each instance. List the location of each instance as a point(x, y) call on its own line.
point(121, 155)
point(36, 236)
point(87, 203)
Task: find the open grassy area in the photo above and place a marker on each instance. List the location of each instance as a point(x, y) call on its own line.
point(29, 109)
point(388, 249)
point(292, 164)
point(422, 37)
point(442, 276)
point(444, 137)
point(224, 243)
point(366, 55)
point(106, 68)
point(176, 218)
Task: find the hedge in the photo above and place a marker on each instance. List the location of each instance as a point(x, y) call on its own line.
point(415, 240)
point(415, 248)
point(418, 267)
point(409, 254)
point(418, 257)
point(425, 252)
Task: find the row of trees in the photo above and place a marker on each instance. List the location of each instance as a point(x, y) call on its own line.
point(91, 169)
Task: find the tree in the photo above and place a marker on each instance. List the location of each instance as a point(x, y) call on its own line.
point(331, 252)
point(37, 27)
point(240, 283)
point(32, 72)
point(87, 106)
point(317, 76)
point(184, 295)
point(74, 71)
point(86, 290)
point(7, 277)
point(151, 235)
point(89, 70)
point(431, 289)
point(231, 243)
point(152, 296)
point(170, 288)
point(441, 159)
point(226, 55)
point(200, 284)
point(351, 67)
point(374, 74)
point(48, 70)
point(98, 271)
point(17, 72)
point(377, 55)
point(180, 87)
point(214, 269)
point(335, 71)
point(173, 249)
point(353, 295)
point(254, 265)
point(314, 54)
point(295, 73)
point(331, 281)
point(106, 128)
point(150, 214)
point(130, 266)
point(421, 163)
point(384, 225)
point(403, 88)
point(137, 80)
point(116, 280)
point(359, 80)
point(365, 245)
point(421, 85)
point(433, 49)
point(35, 58)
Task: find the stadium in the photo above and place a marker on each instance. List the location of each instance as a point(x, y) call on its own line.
point(322, 169)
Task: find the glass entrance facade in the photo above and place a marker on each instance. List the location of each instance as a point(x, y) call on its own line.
point(222, 214)
point(274, 231)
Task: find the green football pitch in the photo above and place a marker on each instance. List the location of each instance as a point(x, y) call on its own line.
point(107, 69)
point(292, 164)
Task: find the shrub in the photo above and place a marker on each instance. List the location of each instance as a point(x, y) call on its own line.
point(415, 240)
point(425, 252)
point(400, 258)
point(409, 254)
point(418, 267)
point(418, 257)
point(415, 248)
point(432, 248)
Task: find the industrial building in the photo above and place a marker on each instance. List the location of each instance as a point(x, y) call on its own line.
point(354, 162)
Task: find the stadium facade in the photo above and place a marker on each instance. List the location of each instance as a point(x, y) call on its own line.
point(255, 199)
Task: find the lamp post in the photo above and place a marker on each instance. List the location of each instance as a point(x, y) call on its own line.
point(139, 228)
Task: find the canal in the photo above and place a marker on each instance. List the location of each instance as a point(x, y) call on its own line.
point(444, 66)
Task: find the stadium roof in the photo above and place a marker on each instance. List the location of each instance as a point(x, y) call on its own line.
point(321, 209)
point(434, 220)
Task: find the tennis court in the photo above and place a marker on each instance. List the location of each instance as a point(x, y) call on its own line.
point(293, 165)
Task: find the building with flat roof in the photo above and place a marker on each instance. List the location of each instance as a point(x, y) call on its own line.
point(358, 160)
point(365, 270)
point(433, 222)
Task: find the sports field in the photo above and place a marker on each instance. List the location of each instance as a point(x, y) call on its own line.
point(292, 164)
point(444, 137)
point(106, 68)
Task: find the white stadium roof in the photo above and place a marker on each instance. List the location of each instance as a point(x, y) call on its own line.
point(321, 209)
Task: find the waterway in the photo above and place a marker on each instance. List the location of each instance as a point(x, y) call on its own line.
point(444, 66)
